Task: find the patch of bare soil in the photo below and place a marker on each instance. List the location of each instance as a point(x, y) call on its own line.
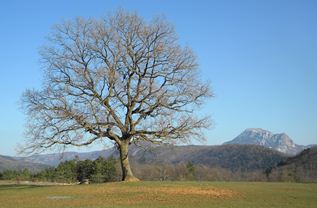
point(197, 191)
point(206, 192)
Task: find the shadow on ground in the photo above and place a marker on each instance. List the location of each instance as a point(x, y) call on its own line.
point(17, 187)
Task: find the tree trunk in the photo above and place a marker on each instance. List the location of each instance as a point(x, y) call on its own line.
point(127, 174)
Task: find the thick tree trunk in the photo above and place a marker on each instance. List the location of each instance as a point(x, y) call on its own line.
point(127, 174)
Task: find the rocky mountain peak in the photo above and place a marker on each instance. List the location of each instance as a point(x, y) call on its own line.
point(281, 141)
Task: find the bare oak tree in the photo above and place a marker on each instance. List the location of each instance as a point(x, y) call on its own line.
point(119, 78)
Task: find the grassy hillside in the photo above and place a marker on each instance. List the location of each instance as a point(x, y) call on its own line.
point(162, 194)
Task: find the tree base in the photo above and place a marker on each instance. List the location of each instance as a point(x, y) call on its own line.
point(130, 179)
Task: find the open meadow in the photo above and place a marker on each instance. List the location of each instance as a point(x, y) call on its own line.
point(161, 194)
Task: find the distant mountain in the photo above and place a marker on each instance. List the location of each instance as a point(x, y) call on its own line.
point(302, 167)
point(232, 157)
point(10, 163)
point(253, 149)
point(55, 158)
point(280, 142)
point(237, 158)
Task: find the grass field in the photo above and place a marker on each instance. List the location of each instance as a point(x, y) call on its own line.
point(161, 194)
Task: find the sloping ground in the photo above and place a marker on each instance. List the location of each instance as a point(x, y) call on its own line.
point(302, 167)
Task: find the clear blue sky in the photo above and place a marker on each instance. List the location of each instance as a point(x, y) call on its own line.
point(260, 56)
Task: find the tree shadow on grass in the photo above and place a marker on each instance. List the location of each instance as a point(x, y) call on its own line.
point(18, 187)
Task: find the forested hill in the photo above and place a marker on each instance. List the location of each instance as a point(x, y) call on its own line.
point(302, 167)
point(232, 157)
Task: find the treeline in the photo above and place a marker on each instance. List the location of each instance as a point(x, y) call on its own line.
point(106, 170)
point(191, 172)
point(97, 171)
point(301, 168)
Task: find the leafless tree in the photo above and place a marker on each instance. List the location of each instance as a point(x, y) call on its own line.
point(118, 78)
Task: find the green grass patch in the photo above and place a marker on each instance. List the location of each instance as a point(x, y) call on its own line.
point(161, 194)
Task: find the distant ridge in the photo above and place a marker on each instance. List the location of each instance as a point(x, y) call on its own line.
point(280, 142)
point(11, 163)
point(253, 149)
point(231, 157)
point(54, 159)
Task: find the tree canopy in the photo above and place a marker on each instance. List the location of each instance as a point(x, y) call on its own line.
point(119, 78)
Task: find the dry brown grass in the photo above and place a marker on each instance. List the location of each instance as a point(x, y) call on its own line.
point(161, 194)
point(109, 195)
point(197, 191)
